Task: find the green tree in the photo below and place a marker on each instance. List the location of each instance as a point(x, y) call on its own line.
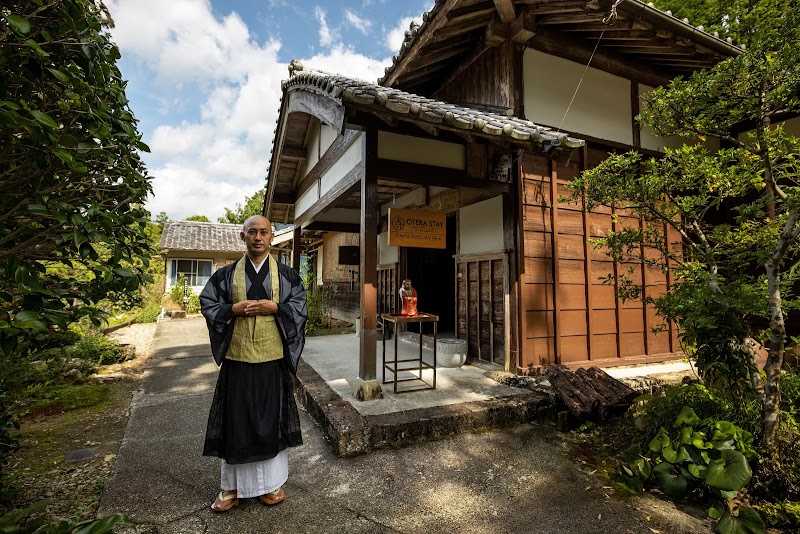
point(736, 210)
point(252, 206)
point(72, 184)
point(197, 218)
point(161, 219)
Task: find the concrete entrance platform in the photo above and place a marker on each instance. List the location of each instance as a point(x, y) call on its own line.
point(464, 398)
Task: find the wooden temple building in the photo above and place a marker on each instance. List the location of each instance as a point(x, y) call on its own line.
point(484, 116)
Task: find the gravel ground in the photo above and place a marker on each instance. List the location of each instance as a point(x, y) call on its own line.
point(140, 335)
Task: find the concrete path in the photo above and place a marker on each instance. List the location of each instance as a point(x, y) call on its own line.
point(517, 480)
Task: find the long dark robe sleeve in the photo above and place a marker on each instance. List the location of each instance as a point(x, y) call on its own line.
point(292, 315)
point(215, 305)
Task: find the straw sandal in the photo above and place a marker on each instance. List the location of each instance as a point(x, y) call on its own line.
point(224, 502)
point(273, 498)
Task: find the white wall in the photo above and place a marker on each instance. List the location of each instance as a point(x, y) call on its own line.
point(345, 163)
point(337, 171)
point(387, 254)
point(318, 268)
point(420, 150)
point(602, 107)
point(322, 138)
point(481, 226)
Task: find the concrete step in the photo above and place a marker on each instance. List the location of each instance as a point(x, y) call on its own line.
point(351, 433)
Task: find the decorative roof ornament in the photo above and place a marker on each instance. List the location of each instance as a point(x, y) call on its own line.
point(295, 66)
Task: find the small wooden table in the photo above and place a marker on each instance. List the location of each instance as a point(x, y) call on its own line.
point(418, 364)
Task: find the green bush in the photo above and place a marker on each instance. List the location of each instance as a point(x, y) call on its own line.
point(96, 348)
point(33, 520)
point(696, 460)
point(148, 314)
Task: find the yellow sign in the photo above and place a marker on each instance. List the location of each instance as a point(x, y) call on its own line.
point(421, 229)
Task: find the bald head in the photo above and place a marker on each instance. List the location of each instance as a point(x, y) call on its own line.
point(257, 236)
point(250, 220)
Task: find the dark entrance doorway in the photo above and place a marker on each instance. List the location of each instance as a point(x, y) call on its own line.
point(432, 271)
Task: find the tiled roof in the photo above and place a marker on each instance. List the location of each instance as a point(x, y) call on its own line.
point(448, 13)
point(436, 113)
point(201, 236)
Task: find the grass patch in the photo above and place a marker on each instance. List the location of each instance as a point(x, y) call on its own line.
point(50, 399)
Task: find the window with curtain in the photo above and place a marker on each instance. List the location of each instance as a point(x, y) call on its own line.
point(197, 272)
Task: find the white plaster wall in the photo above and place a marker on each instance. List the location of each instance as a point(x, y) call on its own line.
point(602, 107)
point(312, 151)
point(322, 137)
point(387, 254)
point(345, 163)
point(306, 200)
point(481, 226)
point(326, 138)
point(419, 150)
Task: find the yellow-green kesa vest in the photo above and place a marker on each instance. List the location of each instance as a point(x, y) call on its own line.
point(255, 339)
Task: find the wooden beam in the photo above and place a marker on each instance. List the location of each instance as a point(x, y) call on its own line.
point(505, 10)
point(334, 152)
point(423, 37)
point(325, 226)
point(283, 198)
point(290, 152)
point(368, 268)
point(296, 245)
point(481, 9)
point(523, 28)
point(554, 43)
point(418, 173)
point(496, 34)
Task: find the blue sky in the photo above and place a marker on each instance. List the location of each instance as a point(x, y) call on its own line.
point(204, 81)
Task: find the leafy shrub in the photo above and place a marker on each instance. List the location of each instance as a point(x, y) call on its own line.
point(32, 520)
point(193, 303)
point(688, 462)
point(96, 348)
point(148, 314)
point(8, 441)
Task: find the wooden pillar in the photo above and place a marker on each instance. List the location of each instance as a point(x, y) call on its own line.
point(369, 258)
point(296, 248)
point(511, 282)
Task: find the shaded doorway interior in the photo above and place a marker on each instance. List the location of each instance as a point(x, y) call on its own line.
point(432, 272)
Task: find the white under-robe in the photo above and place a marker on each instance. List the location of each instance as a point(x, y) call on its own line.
point(256, 478)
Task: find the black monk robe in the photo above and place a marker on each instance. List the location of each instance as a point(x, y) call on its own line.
point(216, 301)
point(253, 413)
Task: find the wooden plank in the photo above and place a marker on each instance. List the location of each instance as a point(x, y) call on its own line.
point(556, 260)
point(523, 28)
point(423, 37)
point(636, 128)
point(589, 283)
point(616, 295)
point(554, 43)
point(505, 10)
point(418, 173)
point(478, 313)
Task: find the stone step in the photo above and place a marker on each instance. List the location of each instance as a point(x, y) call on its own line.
point(351, 433)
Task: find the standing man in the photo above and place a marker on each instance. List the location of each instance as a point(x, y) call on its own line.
point(255, 310)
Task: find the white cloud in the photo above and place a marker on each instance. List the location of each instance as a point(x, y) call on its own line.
point(360, 24)
point(395, 36)
point(326, 36)
point(211, 66)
